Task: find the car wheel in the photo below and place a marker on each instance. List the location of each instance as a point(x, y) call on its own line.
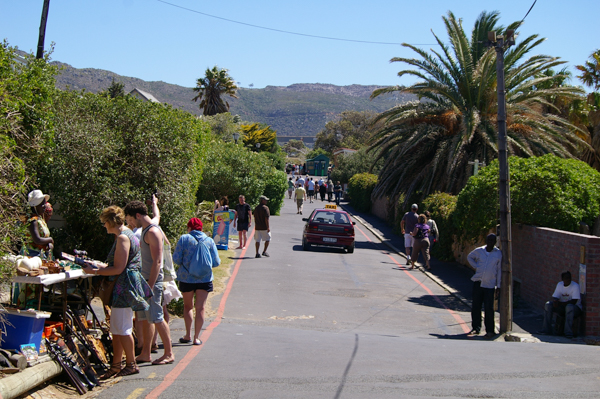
point(305, 245)
point(351, 249)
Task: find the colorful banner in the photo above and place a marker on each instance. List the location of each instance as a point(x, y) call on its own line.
point(221, 221)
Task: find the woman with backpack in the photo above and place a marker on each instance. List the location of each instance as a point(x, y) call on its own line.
point(196, 254)
point(421, 243)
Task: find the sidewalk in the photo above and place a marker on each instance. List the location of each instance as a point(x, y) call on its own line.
point(452, 276)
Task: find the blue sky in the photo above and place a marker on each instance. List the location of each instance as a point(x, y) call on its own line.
point(154, 41)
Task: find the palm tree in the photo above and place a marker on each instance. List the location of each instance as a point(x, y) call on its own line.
point(427, 144)
point(590, 76)
point(216, 83)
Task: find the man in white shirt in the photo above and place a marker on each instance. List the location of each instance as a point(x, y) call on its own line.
point(311, 189)
point(566, 301)
point(487, 261)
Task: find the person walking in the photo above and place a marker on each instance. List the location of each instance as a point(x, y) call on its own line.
point(434, 233)
point(311, 189)
point(290, 187)
point(243, 219)
point(151, 247)
point(262, 228)
point(421, 242)
point(329, 190)
point(486, 284)
point(300, 197)
point(337, 189)
point(322, 190)
point(407, 225)
point(196, 254)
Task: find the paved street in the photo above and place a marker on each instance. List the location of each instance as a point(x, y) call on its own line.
point(326, 324)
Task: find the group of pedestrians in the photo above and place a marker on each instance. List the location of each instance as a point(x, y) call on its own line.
point(139, 267)
point(306, 189)
point(420, 232)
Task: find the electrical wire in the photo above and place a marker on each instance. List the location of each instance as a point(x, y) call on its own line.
point(530, 8)
point(288, 32)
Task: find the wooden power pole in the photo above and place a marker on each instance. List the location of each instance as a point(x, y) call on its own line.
point(500, 43)
point(42, 37)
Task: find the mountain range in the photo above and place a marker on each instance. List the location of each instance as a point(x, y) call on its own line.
point(295, 110)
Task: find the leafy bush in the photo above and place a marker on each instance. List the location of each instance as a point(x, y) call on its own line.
point(352, 164)
point(545, 191)
point(360, 188)
point(441, 207)
point(111, 151)
point(26, 90)
point(233, 170)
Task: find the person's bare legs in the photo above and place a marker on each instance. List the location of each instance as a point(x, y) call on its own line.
point(245, 234)
point(257, 247)
point(240, 233)
point(188, 316)
point(266, 246)
point(201, 297)
point(117, 352)
point(148, 332)
point(139, 333)
point(166, 316)
point(127, 344)
point(165, 337)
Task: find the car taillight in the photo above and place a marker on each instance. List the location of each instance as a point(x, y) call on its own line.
point(349, 230)
point(313, 226)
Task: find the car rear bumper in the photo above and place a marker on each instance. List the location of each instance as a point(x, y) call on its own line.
point(323, 239)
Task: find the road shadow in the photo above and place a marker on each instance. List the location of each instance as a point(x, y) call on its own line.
point(320, 249)
point(463, 336)
point(441, 302)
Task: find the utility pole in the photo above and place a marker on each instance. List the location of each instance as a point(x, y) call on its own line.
point(500, 44)
point(42, 37)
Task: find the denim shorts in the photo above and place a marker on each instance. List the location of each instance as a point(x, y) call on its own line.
point(155, 313)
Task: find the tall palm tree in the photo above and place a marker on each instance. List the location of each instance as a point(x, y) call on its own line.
point(427, 144)
point(590, 76)
point(215, 83)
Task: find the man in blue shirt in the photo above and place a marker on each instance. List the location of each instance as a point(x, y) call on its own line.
point(487, 261)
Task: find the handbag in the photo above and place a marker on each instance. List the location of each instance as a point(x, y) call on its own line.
point(168, 266)
point(106, 288)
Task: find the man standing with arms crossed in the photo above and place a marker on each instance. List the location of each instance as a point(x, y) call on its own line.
point(487, 261)
point(151, 248)
point(243, 217)
point(262, 231)
point(408, 225)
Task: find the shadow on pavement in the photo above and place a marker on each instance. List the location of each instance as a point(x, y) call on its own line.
point(440, 302)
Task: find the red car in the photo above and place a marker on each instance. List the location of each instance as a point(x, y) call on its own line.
point(329, 227)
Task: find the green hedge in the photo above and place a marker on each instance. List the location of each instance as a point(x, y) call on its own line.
point(111, 151)
point(441, 207)
point(360, 188)
point(545, 191)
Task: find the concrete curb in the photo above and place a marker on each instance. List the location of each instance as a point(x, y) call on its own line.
point(21, 382)
point(433, 278)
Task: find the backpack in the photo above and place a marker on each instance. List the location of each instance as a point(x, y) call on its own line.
point(420, 234)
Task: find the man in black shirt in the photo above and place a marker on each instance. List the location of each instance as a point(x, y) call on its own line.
point(243, 218)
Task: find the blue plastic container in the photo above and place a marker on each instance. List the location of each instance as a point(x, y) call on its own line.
point(26, 328)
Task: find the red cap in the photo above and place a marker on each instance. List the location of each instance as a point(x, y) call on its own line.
point(195, 224)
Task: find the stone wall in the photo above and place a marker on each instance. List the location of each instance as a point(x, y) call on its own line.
point(541, 254)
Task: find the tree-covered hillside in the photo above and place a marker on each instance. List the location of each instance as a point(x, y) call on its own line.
point(296, 110)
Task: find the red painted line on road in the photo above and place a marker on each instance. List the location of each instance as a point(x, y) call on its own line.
point(456, 316)
point(183, 363)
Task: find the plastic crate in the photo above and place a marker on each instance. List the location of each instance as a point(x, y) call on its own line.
point(24, 328)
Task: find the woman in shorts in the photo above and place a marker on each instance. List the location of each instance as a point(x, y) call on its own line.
point(130, 293)
point(195, 275)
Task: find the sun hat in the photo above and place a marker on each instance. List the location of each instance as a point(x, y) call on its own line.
point(264, 197)
point(36, 197)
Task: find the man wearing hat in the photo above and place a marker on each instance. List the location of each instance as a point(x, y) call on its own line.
point(38, 236)
point(408, 225)
point(261, 222)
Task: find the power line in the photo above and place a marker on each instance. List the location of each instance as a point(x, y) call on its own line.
point(530, 8)
point(288, 32)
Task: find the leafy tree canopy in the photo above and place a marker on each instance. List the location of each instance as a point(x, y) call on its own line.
point(264, 136)
point(427, 144)
point(224, 125)
point(351, 129)
point(349, 165)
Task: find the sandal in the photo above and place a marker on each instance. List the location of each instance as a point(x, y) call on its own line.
point(111, 372)
point(130, 369)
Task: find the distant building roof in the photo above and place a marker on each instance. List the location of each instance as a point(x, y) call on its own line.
point(142, 95)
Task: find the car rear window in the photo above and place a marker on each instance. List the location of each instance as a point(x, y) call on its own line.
point(331, 217)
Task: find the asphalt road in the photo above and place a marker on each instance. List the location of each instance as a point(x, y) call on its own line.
point(326, 324)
